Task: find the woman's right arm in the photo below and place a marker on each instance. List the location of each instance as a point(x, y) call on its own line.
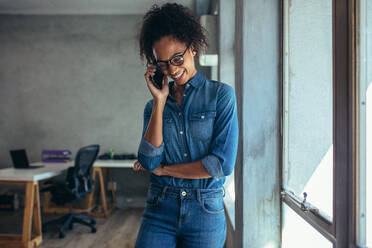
point(154, 130)
point(150, 152)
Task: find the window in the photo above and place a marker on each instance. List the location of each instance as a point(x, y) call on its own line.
point(308, 117)
point(308, 94)
point(317, 154)
point(318, 169)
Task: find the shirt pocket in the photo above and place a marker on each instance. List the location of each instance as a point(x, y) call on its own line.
point(169, 128)
point(201, 125)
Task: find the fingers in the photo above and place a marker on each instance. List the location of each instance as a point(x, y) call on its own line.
point(150, 72)
point(159, 171)
point(137, 166)
point(165, 84)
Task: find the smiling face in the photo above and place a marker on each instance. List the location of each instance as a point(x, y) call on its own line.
point(168, 47)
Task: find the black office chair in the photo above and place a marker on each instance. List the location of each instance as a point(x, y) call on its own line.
point(77, 185)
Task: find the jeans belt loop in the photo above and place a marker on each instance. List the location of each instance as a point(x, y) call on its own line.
point(163, 192)
point(223, 190)
point(198, 197)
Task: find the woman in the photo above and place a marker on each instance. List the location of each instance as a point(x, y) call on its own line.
point(190, 136)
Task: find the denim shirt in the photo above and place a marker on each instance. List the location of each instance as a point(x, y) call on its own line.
point(204, 127)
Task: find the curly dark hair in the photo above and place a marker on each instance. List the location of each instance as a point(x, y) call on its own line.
point(174, 20)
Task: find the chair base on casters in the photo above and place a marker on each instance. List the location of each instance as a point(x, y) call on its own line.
point(68, 221)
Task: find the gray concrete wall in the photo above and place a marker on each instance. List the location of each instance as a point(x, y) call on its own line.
point(70, 81)
point(258, 79)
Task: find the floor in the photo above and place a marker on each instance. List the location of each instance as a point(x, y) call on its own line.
point(118, 230)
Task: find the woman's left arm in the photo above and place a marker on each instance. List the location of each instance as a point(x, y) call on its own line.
point(220, 160)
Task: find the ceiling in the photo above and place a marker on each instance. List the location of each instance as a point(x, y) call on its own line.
point(81, 7)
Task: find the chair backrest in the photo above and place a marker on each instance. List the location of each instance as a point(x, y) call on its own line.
point(79, 177)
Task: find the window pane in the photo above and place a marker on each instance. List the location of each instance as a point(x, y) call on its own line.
point(308, 108)
point(365, 120)
point(296, 232)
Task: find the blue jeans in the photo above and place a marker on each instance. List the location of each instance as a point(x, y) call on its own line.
point(182, 218)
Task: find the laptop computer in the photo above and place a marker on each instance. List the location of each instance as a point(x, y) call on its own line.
point(20, 161)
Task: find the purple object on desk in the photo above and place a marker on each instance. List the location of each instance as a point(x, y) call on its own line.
point(53, 156)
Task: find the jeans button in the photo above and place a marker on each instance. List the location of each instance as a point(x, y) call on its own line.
point(183, 193)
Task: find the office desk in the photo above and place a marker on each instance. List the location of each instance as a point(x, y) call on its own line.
point(89, 205)
point(30, 178)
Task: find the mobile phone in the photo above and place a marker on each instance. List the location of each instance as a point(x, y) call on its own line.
point(157, 79)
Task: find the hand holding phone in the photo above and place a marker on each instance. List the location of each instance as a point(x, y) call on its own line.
point(157, 79)
point(157, 83)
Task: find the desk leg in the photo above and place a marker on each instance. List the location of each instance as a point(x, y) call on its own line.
point(31, 214)
point(90, 198)
point(103, 191)
point(37, 214)
point(103, 202)
point(27, 216)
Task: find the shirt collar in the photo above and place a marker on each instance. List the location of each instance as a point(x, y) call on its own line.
point(198, 80)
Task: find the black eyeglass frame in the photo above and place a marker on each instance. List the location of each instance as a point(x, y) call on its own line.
point(166, 62)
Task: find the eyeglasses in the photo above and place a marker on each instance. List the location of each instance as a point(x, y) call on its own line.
point(176, 60)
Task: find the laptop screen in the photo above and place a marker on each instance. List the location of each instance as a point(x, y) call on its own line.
point(19, 158)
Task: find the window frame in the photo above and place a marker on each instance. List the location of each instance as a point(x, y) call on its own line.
point(341, 231)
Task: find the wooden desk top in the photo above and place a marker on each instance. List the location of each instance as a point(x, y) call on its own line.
point(49, 170)
point(54, 169)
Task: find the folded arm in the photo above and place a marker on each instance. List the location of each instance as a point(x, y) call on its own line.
point(220, 160)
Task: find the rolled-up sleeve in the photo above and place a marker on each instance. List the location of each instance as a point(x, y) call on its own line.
point(220, 160)
point(149, 155)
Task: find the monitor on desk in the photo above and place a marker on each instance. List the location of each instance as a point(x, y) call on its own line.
point(20, 160)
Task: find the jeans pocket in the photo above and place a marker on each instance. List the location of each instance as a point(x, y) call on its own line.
point(212, 205)
point(152, 200)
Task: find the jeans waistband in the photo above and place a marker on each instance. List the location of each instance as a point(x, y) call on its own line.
point(185, 193)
